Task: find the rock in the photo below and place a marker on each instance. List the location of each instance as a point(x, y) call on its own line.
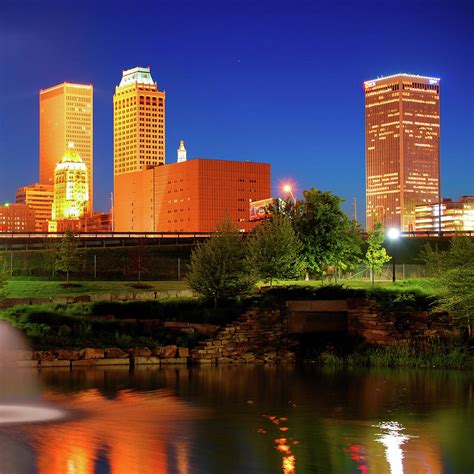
point(44, 355)
point(157, 351)
point(63, 354)
point(115, 353)
point(140, 352)
point(183, 352)
point(169, 352)
point(146, 360)
point(90, 353)
point(55, 363)
point(175, 360)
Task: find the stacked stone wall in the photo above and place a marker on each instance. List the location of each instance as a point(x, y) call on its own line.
point(258, 336)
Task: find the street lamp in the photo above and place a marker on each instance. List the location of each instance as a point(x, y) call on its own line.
point(287, 189)
point(393, 234)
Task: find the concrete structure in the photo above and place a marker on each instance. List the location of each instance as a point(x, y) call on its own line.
point(40, 198)
point(182, 154)
point(16, 217)
point(139, 122)
point(402, 148)
point(71, 187)
point(191, 196)
point(66, 116)
point(455, 216)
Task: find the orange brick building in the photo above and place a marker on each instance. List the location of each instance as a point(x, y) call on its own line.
point(192, 196)
point(16, 218)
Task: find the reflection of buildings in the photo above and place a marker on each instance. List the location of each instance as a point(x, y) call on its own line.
point(139, 433)
point(16, 218)
point(455, 216)
point(189, 196)
point(402, 148)
point(66, 116)
point(40, 198)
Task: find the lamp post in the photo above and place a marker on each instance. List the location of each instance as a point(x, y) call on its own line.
point(288, 190)
point(393, 234)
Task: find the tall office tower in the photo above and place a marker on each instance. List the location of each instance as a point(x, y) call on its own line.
point(402, 130)
point(66, 115)
point(71, 185)
point(40, 198)
point(139, 122)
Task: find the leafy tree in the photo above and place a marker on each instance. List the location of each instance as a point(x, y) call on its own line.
point(220, 267)
point(329, 237)
point(376, 256)
point(67, 257)
point(453, 272)
point(275, 250)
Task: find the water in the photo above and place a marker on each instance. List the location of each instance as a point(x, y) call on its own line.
point(247, 419)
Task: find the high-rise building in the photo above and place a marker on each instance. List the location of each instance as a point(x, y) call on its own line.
point(455, 216)
point(139, 122)
point(16, 217)
point(402, 129)
point(66, 115)
point(40, 198)
point(71, 187)
point(191, 196)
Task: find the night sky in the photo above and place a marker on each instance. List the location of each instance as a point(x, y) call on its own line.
point(268, 81)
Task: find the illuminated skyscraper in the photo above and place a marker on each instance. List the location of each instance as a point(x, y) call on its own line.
point(71, 194)
point(402, 127)
point(139, 122)
point(66, 115)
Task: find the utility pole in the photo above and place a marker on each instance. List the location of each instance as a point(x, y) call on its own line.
point(354, 212)
point(112, 211)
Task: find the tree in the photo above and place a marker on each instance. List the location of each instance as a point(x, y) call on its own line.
point(275, 250)
point(67, 256)
point(329, 237)
point(376, 256)
point(453, 272)
point(220, 267)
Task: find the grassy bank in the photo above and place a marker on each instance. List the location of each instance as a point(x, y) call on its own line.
point(42, 288)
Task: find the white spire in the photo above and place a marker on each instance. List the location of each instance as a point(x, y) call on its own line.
point(181, 152)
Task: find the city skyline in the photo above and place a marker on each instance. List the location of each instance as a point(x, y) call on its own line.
point(243, 100)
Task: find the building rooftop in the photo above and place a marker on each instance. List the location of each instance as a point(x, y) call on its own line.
point(136, 75)
point(433, 80)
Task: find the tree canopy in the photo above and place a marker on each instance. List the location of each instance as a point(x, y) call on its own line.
point(376, 255)
point(220, 267)
point(276, 251)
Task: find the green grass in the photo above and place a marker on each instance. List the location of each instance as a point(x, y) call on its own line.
point(38, 288)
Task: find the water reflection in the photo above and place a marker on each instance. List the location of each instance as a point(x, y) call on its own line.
point(249, 420)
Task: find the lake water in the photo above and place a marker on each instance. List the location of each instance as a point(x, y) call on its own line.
point(248, 419)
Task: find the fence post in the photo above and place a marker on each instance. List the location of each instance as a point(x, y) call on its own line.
point(179, 268)
point(95, 266)
point(11, 264)
point(403, 271)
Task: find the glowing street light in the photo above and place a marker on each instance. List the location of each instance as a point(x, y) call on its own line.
point(393, 234)
point(287, 189)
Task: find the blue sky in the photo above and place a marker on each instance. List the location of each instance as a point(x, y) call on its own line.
point(278, 82)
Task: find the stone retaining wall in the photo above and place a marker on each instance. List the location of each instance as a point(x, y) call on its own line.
point(89, 357)
point(366, 319)
point(258, 336)
point(142, 295)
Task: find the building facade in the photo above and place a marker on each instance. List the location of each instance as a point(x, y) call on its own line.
point(139, 122)
point(66, 116)
point(40, 198)
point(71, 187)
point(402, 126)
point(16, 217)
point(455, 216)
point(191, 196)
